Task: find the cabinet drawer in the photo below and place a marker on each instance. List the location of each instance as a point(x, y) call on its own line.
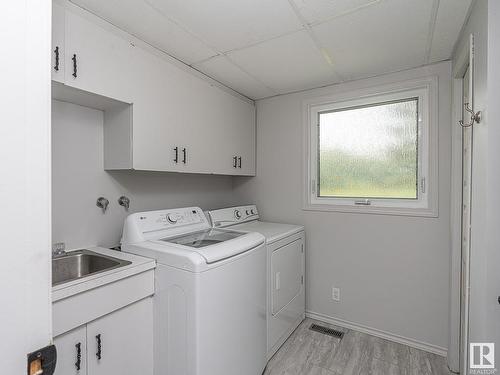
point(84, 307)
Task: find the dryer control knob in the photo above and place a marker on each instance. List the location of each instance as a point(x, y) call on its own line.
point(237, 214)
point(172, 218)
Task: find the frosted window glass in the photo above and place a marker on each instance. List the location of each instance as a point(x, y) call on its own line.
point(369, 152)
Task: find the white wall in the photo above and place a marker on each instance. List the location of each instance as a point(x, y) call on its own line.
point(25, 309)
point(393, 270)
point(79, 179)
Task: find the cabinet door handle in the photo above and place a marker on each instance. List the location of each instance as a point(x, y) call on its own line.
point(235, 161)
point(56, 52)
point(78, 362)
point(176, 159)
point(239, 161)
point(74, 66)
point(184, 154)
point(99, 346)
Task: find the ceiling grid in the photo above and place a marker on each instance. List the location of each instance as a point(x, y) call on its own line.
point(262, 48)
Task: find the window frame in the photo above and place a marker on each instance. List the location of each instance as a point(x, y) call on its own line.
point(426, 203)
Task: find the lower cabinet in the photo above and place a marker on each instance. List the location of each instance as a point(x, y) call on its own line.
point(72, 352)
point(117, 343)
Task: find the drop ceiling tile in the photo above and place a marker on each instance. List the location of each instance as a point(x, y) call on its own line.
point(450, 18)
point(288, 63)
point(320, 10)
point(141, 20)
point(388, 37)
point(221, 69)
point(230, 24)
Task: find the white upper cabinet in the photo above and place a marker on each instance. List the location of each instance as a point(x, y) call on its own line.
point(182, 123)
point(177, 122)
point(97, 61)
point(241, 135)
point(162, 128)
point(58, 59)
point(187, 124)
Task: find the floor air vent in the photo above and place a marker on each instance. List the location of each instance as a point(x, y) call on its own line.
point(327, 331)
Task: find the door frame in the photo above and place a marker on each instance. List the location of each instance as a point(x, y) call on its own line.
point(25, 184)
point(464, 60)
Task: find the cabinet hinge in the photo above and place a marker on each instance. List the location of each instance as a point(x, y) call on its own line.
point(422, 185)
point(313, 187)
point(302, 280)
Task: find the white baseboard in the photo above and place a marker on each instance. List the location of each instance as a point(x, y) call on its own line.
point(379, 333)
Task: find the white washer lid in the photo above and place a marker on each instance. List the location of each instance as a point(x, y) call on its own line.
point(195, 259)
point(236, 243)
point(272, 231)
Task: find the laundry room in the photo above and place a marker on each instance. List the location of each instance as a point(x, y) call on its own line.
point(251, 187)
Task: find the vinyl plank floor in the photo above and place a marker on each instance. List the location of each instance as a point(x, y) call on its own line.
point(311, 353)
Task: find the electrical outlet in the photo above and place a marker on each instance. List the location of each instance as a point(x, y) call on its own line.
point(336, 294)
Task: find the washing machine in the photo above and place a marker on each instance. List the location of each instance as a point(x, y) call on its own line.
point(210, 293)
point(285, 268)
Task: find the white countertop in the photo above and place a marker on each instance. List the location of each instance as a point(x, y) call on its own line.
point(138, 265)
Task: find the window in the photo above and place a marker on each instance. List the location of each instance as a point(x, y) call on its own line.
point(369, 151)
point(373, 154)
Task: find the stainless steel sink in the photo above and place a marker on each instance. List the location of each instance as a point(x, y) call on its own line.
point(81, 263)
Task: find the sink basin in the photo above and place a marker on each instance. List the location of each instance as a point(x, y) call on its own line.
point(82, 263)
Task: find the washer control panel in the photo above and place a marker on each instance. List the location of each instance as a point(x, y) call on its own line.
point(161, 224)
point(160, 220)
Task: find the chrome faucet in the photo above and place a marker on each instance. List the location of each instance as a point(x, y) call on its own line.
point(58, 249)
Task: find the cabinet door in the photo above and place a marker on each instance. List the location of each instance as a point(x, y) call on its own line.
point(243, 135)
point(97, 60)
point(172, 109)
point(158, 124)
point(123, 340)
point(224, 123)
point(231, 121)
point(235, 136)
point(71, 352)
point(58, 21)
